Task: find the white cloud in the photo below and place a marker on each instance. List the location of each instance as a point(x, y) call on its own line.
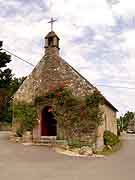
point(129, 40)
point(91, 40)
point(125, 8)
point(83, 13)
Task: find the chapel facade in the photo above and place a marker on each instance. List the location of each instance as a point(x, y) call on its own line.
point(52, 69)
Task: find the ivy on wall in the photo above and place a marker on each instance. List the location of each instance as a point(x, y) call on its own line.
point(75, 115)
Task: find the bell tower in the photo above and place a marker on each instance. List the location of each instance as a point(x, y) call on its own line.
point(52, 41)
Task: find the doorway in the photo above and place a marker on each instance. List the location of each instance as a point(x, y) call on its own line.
point(48, 122)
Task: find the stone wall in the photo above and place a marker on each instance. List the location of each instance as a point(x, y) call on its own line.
point(109, 123)
point(52, 70)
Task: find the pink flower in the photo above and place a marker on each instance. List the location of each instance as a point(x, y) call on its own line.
point(52, 88)
point(62, 85)
point(58, 94)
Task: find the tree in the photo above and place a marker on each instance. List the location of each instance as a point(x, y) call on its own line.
point(15, 84)
point(8, 86)
point(5, 73)
point(1, 42)
point(13, 87)
point(126, 119)
point(5, 80)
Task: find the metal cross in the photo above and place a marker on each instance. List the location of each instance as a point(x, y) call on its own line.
point(52, 21)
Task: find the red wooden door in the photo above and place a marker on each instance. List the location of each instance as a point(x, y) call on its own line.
point(43, 127)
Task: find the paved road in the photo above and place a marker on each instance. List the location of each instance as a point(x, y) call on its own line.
point(18, 162)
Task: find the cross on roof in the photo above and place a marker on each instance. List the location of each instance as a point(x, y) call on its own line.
point(52, 21)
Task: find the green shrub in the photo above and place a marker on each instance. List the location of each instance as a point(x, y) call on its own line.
point(26, 116)
point(110, 138)
point(74, 143)
point(19, 132)
point(77, 143)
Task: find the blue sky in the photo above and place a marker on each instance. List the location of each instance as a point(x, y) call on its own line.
point(96, 38)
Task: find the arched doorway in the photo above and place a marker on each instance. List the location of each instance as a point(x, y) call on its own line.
point(48, 122)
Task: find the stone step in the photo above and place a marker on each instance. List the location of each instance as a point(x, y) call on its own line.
point(42, 144)
point(51, 141)
point(48, 137)
point(46, 142)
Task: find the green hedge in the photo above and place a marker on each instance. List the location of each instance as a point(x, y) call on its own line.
point(110, 138)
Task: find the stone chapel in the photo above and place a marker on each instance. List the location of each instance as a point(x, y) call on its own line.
point(52, 69)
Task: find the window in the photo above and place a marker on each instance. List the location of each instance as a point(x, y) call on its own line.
point(50, 41)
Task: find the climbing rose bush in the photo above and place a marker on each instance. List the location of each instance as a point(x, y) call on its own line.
point(75, 115)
